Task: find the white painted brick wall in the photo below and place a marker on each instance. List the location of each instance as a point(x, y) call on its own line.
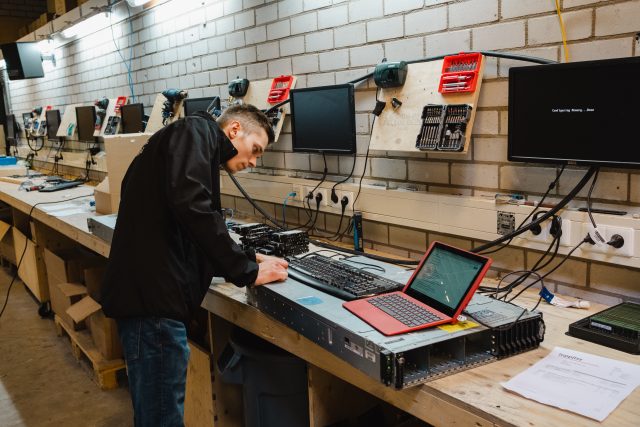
point(618, 18)
point(266, 14)
point(610, 185)
point(395, 6)
point(407, 238)
point(299, 161)
point(244, 20)
point(635, 188)
point(546, 29)
point(333, 17)
point(518, 8)
point(233, 41)
point(360, 10)
point(428, 171)
point(280, 67)
point(486, 123)
point(602, 49)
point(305, 64)
point(334, 60)
point(494, 94)
point(384, 29)
point(224, 25)
point(321, 40)
point(499, 36)
point(304, 23)
point(246, 55)
point(278, 30)
point(292, 46)
point(405, 49)
point(472, 12)
point(426, 21)
point(231, 6)
point(474, 175)
point(289, 7)
point(366, 55)
point(490, 149)
point(268, 51)
point(350, 35)
point(447, 43)
point(389, 168)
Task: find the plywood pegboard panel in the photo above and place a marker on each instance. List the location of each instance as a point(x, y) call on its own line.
point(396, 130)
point(155, 118)
point(68, 118)
point(257, 94)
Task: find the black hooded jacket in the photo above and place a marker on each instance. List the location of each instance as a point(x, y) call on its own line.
point(170, 239)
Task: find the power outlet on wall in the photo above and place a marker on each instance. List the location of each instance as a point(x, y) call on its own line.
point(348, 194)
point(608, 231)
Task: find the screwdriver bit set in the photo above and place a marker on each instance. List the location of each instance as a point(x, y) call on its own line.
point(443, 127)
point(460, 73)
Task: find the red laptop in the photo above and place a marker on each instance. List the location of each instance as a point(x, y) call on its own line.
point(437, 292)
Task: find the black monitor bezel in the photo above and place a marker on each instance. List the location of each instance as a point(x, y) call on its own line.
point(78, 123)
point(351, 92)
point(21, 51)
point(12, 118)
point(187, 101)
point(511, 138)
point(140, 107)
point(46, 115)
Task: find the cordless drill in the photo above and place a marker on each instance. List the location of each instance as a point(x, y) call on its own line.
point(173, 96)
point(101, 112)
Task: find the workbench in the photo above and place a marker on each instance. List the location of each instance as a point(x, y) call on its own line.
point(470, 398)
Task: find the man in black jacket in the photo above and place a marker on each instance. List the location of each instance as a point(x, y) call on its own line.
point(170, 240)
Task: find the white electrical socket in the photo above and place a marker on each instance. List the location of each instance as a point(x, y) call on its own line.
point(545, 235)
point(323, 191)
point(299, 190)
point(608, 231)
point(348, 194)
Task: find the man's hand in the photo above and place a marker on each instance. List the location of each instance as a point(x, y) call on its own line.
point(270, 269)
point(261, 258)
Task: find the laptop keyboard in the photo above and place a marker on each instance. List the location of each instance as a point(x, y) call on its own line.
point(403, 310)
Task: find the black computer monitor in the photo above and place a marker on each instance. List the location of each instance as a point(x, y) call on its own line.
point(12, 129)
point(574, 113)
point(53, 123)
point(324, 119)
point(132, 118)
point(23, 60)
point(191, 105)
point(86, 122)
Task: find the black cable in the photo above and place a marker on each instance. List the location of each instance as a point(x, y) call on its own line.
point(255, 205)
point(551, 186)
point(353, 167)
point(593, 184)
point(344, 208)
point(561, 204)
point(366, 158)
point(544, 276)
point(26, 244)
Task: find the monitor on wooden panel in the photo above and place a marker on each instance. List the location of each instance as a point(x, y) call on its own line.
point(191, 105)
point(323, 119)
point(53, 123)
point(579, 112)
point(23, 60)
point(132, 118)
point(86, 122)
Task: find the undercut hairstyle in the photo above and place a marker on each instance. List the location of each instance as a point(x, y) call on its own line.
point(250, 117)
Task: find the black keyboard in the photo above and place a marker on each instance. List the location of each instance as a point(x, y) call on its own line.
point(60, 186)
point(404, 310)
point(338, 278)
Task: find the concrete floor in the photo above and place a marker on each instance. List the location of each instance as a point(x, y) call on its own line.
point(41, 383)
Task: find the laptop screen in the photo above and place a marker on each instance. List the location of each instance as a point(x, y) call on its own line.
point(445, 277)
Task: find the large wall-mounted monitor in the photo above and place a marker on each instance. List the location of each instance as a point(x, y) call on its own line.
point(580, 112)
point(23, 60)
point(132, 118)
point(53, 123)
point(324, 119)
point(86, 122)
point(191, 105)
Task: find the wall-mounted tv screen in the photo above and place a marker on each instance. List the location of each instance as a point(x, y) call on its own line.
point(23, 60)
point(323, 119)
point(575, 113)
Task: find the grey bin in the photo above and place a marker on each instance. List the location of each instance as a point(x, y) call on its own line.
point(274, 382)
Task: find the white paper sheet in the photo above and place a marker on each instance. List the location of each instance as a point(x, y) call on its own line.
point(589, 385)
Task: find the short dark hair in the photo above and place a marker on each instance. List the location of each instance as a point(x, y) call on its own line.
point(250, 117)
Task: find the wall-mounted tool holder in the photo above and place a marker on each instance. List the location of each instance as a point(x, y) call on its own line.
point(444, 127)
point(280, 87)
point(460, 73)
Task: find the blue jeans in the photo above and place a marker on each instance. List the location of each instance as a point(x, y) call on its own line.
point(156, 353)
